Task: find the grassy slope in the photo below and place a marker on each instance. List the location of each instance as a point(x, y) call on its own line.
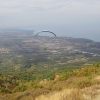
point(72, 85)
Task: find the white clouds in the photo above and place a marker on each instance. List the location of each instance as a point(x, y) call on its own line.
point(41, 5)
point(28, 5)
point(9, 6)
point(29, 12)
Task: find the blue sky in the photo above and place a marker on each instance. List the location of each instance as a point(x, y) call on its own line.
point(75, 18)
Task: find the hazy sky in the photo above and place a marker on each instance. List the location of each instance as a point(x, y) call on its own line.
point(76, 18)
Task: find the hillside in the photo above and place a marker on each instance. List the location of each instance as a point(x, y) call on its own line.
point(79, 84)
point(33, 66)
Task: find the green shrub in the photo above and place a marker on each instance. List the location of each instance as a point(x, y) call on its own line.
point(20, 88)
point(5, 90)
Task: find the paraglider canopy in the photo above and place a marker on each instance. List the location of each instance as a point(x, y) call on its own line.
point(46, 31)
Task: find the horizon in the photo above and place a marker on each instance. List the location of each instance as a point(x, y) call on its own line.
point(32, 31)
point(72, 18)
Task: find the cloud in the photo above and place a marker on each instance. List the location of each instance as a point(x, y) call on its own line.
point(56, 6)
point(29, 12)
point(21, 5)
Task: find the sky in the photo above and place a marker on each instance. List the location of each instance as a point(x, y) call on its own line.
point(72, 18)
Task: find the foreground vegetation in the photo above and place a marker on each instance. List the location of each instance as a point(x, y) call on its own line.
point(70, 81)
point(72, 94)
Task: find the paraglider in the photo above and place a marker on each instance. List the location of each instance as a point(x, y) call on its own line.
point(46, 31)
